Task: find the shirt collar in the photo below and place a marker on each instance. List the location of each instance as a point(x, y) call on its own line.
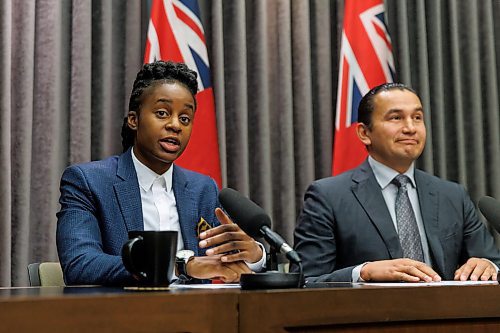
point(146, 176)
point(385, 175)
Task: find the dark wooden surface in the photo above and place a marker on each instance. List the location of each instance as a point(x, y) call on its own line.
point(339, 308)
point(111, 310)
point(373, 309)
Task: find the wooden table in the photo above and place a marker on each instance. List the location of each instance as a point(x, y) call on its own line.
point(373, 309)
point(337, 308)
point(55, 309)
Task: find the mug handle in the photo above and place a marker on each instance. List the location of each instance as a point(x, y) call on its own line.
point(127, 255)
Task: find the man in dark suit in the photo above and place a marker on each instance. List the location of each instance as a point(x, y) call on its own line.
point(386, 220)
point(142, 190)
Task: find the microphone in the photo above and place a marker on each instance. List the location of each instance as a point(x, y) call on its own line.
point(490, 208)
point(254, 221)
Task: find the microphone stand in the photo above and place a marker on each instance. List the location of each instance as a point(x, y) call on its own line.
point(273, 265)
point(301, 275)
point(273, 259)
point(272, 279)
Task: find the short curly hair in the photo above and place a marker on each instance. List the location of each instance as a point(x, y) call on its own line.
point(151, 74)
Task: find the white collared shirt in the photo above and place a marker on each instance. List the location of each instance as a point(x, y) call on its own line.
point(384, 176)
point(159, 208)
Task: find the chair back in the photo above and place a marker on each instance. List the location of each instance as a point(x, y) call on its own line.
point(45, 274)
point(33, 275)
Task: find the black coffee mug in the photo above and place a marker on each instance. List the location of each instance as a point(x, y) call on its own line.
point(150, 256)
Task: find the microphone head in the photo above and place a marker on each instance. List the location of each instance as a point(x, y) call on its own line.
point(244, 212)
point(490, 208)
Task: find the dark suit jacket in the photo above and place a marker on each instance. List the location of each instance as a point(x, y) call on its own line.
point(345, 222)
point(101, 202)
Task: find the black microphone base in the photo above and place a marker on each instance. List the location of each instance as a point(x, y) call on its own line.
point(269, 280)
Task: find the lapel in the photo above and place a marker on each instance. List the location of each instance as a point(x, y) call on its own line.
point(428, 197)
point(127, 192)
point(368, 193)
point(187, 208)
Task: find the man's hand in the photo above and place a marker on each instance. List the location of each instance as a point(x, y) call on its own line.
point(476, 269)
point(228, 239)
point(211, 267)
point(398, 270)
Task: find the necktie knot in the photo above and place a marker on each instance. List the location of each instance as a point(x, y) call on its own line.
point(401, 181)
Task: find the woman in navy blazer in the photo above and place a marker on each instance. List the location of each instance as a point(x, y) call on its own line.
point(101, 200)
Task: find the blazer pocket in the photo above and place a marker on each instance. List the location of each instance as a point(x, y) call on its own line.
point(452, 235)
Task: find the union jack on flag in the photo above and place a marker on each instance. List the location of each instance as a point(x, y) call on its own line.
point(175, 32)
point(365, 62)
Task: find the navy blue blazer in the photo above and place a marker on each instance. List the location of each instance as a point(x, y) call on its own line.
point(345, 222)
point(101, 202)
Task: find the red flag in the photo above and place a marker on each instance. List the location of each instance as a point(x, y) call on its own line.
point(175, 33)
point(365, 62)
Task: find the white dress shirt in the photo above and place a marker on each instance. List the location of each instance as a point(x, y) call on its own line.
point(384, 176)
point(159, 208)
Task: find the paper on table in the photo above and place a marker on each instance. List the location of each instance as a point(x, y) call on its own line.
point(206, 286)
point(426, 284)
